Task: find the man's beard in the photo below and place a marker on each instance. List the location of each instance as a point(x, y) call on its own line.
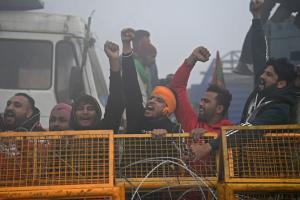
point(263, 90)
point(202, 117)
point(268, 90)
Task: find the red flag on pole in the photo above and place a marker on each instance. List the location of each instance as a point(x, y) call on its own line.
point(217, 75)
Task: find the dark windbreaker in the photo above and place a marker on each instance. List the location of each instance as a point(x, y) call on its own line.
point(273, 106)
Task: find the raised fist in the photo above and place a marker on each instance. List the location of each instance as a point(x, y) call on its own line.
point(127, 34)
point(111, 50)
point(200, 54)
point(256, 7)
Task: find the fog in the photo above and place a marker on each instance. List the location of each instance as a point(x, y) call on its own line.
point(176, 26)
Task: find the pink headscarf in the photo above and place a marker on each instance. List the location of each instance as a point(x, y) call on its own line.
point(63, 108)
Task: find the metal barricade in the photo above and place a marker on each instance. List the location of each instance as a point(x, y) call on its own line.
point(144, 163)
point(57, 165)
point(262, 153)
point(267, 195)
point(261, 191)
point(173, 193)
point(261, 162)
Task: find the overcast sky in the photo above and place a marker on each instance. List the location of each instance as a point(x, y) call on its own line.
point(176, 26)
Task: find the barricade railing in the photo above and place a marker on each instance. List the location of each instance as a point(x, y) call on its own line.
point(262, 153)
point(57, 165)
point(253, 191)
point(260, 162)
point(173, 193)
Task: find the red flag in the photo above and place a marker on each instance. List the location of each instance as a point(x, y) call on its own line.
point(218, 76)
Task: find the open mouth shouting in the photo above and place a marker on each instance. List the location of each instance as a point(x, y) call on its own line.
point(150, 110)
point(86, 120)
point(261, 84)
point(9, 117)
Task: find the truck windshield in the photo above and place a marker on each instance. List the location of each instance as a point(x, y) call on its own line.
point(25, 64)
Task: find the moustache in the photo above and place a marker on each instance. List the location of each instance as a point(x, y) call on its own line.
point(9, 113)
point(201, 109)
point(149, 107)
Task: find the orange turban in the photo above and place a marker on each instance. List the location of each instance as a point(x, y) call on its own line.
point(168, 96)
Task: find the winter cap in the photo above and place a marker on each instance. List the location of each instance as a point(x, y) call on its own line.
point(62, 108)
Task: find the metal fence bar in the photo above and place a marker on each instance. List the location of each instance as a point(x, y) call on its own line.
point(254, 191)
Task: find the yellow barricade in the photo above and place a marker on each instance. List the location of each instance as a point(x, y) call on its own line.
point(261, 162)
point(57, 165)
point(253, 191)
point(262, 153)
point(144, 163)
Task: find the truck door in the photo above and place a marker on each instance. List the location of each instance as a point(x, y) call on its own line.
point(66, 64)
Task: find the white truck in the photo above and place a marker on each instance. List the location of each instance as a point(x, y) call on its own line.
point(48, 56)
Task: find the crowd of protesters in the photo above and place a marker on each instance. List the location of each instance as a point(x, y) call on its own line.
point(150, 103)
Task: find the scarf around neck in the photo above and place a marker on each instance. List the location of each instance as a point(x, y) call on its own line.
point(143, 72)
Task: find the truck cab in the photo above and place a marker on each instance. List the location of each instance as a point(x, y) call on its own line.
point(48, 56)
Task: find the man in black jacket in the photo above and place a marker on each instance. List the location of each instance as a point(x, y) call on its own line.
point(272, 100)
point(162, 101)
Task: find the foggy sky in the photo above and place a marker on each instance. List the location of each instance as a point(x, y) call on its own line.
point(176, 26)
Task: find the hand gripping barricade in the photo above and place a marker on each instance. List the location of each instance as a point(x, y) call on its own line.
point(58, 165)
point(261, 162)
point(163, 168)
